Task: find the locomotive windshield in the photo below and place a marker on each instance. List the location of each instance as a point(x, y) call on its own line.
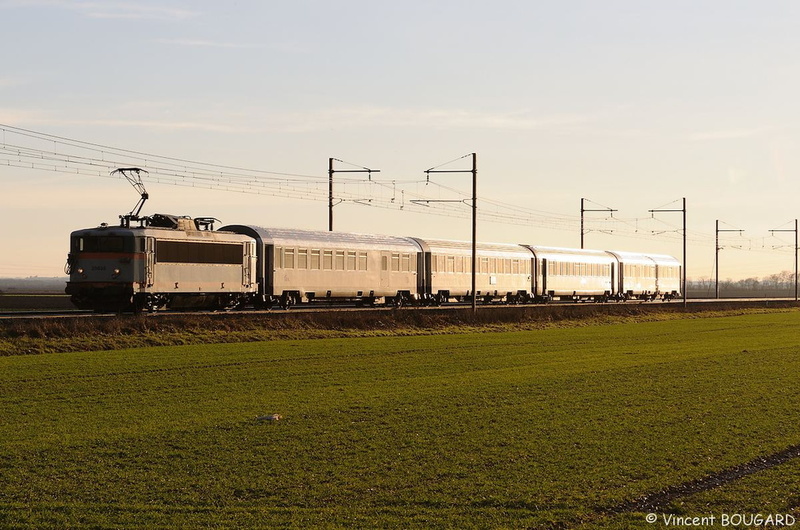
point(102, 244)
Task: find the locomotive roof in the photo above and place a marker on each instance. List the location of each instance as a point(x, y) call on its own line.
point(160, 233)
point(309, 238)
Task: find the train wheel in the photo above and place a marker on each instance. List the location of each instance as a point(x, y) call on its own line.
point(287, 301)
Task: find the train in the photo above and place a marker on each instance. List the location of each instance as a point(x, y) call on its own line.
point(183, 263)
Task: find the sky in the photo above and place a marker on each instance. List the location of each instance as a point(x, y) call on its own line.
point(632, 105)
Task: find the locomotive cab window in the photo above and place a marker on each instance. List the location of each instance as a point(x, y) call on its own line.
point(103, 244)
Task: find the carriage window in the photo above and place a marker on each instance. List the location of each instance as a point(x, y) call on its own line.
point(339, 263)
point(459, 263)
point(302, 258)
point(451, 264)
point(288, 258)
point(384, 263)
point(362, 261)
point(395, 262)
point(327, 260)
point(405, 263)
point(315, 259)
point(351, 260)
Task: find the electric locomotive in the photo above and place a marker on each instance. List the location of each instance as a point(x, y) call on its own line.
point(165, 262)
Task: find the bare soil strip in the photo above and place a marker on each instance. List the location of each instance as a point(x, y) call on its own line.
point(657, 501)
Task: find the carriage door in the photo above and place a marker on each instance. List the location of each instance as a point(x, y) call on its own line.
point(149, 261)
point(544, 277)
point(248, 270)
point(386, 260)
point(615, 289)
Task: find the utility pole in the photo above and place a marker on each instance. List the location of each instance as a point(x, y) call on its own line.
point(683, 279)
point(474, 172)
point(331, 171)
point(716, 258)
point(795, 256)
point(585, 210)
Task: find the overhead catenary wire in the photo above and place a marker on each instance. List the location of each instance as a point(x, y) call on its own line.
point(24, 148)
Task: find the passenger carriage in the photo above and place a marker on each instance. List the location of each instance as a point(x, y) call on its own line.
point(573, 274)
point(305, 265)
point(647, 276)
point(503, 271)
point(668, 275)
point(637, 278)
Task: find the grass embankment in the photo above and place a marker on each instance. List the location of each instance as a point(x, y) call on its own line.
point(526, 428)
point(36, 335)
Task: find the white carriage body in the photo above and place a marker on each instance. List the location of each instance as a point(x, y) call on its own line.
point(669, 274)
point(567, 272)
point(502, 269)
point(316, 264)
point(637, 274)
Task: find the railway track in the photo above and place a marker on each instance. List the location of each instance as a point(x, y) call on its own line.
point(693, 302)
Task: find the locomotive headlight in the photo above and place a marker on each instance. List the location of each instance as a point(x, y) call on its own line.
point(116, 273)
point(80, 271)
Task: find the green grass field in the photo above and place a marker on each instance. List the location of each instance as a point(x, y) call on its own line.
point(546, 428)
point(35, 302)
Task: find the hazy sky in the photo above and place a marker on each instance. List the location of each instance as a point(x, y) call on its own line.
point(631, 104)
